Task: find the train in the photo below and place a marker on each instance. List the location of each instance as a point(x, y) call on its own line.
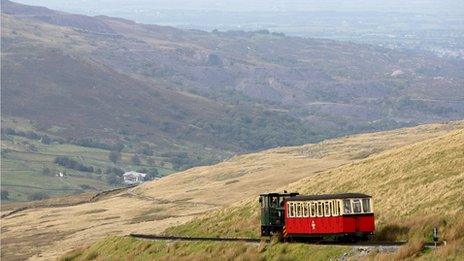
point(291, 216)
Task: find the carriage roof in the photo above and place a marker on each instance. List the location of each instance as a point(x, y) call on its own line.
point(328, 196)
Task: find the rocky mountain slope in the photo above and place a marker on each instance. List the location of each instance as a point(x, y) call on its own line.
point(190, 92)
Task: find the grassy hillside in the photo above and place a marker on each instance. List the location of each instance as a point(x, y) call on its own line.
point(199, 97)
point(129, 248)
point(179, 197)
point(29, 170)
point(415, 188)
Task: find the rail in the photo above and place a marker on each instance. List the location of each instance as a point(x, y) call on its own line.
point(258, 240)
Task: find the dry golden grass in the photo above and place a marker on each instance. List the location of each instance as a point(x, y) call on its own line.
point(415, 188)
point(178, 198)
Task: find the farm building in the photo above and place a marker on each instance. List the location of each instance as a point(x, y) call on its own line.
point(133, 177)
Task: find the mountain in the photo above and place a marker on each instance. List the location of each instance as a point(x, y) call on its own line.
point(180, 197)
point(199, 97)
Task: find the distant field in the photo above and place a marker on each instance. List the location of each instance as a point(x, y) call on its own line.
point(24, 160)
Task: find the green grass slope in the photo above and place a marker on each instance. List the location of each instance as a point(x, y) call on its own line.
point(126, 248)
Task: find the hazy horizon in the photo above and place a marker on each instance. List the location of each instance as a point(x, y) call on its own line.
point(449, 7)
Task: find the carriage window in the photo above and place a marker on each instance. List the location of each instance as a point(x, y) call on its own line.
point(312, 209)
point(334, 208)
point(356, 206)
point(320, 209)
point(291, 210)
point(274, 202)
point(327, 208)
point(265, 202)
point(346, 206)
point(366, 205)
point(305, 209)
point(298, 209)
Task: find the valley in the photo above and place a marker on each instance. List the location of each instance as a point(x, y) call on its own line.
point(199, 97)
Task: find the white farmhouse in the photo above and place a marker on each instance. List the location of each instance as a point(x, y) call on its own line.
point(133, 177)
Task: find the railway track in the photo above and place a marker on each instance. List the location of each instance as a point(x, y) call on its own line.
point(257, 240)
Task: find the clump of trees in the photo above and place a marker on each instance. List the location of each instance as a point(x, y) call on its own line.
point(72, 164)
point(45, 139)
point(114, 176)
point(114, 171)
point(151, 173)
point(38, 196)
point(5, 194)
point(47, 171)
point(93, 143)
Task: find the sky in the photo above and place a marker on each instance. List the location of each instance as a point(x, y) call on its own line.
point(451, 7)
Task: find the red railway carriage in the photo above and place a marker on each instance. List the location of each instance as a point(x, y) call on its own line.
point(335, 214)
point(292, 215)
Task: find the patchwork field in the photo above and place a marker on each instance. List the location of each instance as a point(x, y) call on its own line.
point(177, 198)
point(28, 166)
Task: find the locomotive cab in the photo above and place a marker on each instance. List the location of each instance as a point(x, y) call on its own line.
point(272, 212)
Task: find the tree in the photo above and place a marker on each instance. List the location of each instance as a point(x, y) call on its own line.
point(114, 156)
point(135, 159)
point(5, 195)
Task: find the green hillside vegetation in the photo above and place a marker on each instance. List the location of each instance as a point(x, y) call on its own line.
point(31, 166)
point(415, 188)
point(126, 248)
